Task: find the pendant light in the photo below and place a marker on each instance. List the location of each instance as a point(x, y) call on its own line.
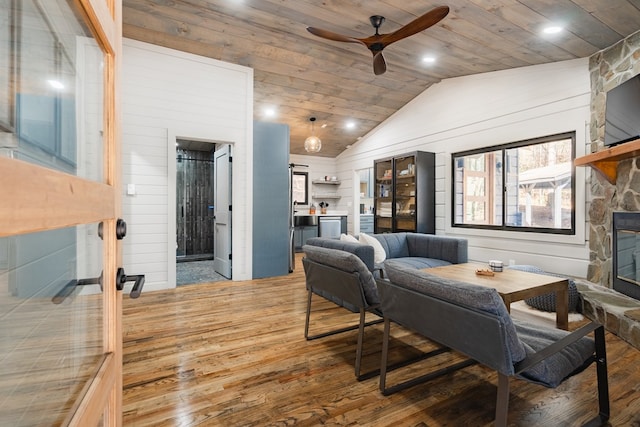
point(312, 144)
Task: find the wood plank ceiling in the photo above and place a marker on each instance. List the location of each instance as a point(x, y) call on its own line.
point(299, 75)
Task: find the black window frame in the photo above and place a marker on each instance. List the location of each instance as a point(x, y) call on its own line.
point(304, 175)
point(503, 148)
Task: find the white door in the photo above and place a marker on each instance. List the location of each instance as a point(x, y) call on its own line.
point(222, 210)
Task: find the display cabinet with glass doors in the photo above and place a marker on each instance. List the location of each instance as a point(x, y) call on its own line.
point(404, 196)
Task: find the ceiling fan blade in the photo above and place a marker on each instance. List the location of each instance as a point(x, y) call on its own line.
point(379, 64)
point(419, 24)
point(332, 36)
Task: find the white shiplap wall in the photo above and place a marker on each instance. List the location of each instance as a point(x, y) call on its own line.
point(319, 167)
point(484, 110)
point(168, 94)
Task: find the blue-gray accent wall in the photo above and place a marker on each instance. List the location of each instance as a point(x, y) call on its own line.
point(270, 199)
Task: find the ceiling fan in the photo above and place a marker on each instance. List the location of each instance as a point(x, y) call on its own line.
point(377, 42)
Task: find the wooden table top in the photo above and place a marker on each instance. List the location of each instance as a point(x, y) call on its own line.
point(513, 283)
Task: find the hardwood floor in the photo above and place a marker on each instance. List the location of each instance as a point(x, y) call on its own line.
point(234, 354)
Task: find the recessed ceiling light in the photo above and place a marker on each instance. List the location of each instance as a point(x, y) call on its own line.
point(350, 124)
point(553, 29)
point(269, 112)
point(324, 125)
point(428, 59)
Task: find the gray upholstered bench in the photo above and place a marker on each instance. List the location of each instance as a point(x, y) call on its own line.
point(473, 320)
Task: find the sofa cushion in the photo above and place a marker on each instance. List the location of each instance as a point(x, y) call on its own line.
point(465, 294)
point(379, 253)
point(554, 369)
point(348, 262)
point(547, 302)
point(394, 244)
point(418, 262)
point(450, 249)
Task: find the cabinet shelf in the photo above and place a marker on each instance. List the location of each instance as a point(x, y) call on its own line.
point(405, 177)
point(606, 161)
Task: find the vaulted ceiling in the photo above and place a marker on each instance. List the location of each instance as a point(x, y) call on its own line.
point(298, 75)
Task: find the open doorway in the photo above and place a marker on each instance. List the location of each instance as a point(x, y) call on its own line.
point(364, 200)
point(195, 215)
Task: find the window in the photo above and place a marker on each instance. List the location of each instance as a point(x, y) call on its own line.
point(523, 186)
point(299, 187)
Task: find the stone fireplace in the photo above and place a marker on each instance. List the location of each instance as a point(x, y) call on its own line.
point(620, 313)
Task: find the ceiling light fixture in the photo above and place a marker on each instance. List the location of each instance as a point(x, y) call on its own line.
point(428, 59)
point(552, 29)
point(312, 144)
point(350, 125)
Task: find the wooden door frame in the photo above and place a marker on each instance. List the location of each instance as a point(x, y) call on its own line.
point(50, 199)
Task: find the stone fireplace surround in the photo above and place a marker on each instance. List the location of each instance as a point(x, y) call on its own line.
point(620, 314)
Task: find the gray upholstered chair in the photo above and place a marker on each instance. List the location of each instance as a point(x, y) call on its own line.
point(473, 320)
point(341, 277)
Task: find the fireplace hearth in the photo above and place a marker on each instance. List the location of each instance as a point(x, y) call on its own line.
point(626, 253)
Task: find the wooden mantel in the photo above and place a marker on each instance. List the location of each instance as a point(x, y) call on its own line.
point(606, 161)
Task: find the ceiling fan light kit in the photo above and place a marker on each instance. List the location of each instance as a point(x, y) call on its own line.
point(377, 42)
point(312, 144)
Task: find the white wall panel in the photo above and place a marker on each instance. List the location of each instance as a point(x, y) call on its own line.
point(167, 94)
point(484, 110)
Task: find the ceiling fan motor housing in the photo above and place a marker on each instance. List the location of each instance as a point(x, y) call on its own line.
point(376, 21)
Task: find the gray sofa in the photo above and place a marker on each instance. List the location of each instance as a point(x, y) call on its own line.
point(412, 249)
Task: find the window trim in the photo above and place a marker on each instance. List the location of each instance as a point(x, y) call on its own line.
point(503, 147)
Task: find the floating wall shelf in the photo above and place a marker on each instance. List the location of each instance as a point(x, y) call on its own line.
point(322, 181)
point(326, 196)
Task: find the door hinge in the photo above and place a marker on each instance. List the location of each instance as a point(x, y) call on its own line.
point(229, 208)
point(230, 159)
point(229, 257)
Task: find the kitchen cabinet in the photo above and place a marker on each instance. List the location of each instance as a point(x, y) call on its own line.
point(302, 233)
point(366, 223)
point(404, 193)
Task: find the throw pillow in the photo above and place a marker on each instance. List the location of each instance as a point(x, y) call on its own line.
point(379, 255)
point(547, 302)
point(348, 238)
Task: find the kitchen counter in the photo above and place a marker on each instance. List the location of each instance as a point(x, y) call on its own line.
point(329, 213)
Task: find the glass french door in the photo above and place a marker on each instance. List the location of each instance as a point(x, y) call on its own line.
point(61, 339)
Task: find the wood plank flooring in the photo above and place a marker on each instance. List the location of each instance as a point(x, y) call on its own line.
point(234, 354)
